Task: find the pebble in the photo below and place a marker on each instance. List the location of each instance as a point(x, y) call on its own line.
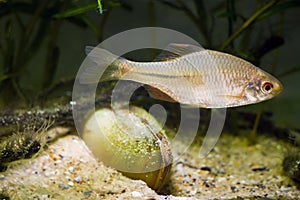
point(87, 193)
point(284, 189)
point(234, 188)
point(77, 179)
point(58, 161)
point(136, 194)
point(70, 183)
point(45, 196)
point(67, 173)
point(259, 169)
point(71, 169)
point(221, 179)
point(48, 173)
point(63, 186)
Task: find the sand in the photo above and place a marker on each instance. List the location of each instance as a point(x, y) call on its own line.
point(66, 169)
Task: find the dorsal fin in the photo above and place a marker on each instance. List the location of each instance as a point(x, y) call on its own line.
point(174, 50)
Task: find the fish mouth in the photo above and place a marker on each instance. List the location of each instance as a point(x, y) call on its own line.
point(277, 88)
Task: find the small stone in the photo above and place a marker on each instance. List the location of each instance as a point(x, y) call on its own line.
point(47, 173)
point(71, 169)
point(45, 196)
point(260, 169)
point(285, 189)
point(221, 179)
point(87, 193)
point(77, 179)
point(63, 186)
point(205, 168)
point(252, 190)
point(70, 183)
point(234, 189)
point(68, 178)
point(67, 173)
point(136, 194)
point(58, 161)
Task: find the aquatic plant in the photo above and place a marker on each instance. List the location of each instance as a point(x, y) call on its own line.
point(27, 27)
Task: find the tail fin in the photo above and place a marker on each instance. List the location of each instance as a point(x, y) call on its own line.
point(101, 66)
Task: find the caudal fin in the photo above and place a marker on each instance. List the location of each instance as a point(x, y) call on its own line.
point(100, 66)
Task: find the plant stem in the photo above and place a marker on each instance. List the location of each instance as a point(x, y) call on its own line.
point(21, 56)
point(247, 23)
point(52, 51)
point(102, 24)
point(252, 135)
point(231, 16)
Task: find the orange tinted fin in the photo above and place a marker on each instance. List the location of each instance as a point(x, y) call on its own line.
point(158, 94)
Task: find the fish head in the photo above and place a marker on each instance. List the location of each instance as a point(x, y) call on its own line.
point(262, 87)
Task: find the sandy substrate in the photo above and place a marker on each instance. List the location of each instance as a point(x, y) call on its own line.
point(234, 169)
point(67, 170)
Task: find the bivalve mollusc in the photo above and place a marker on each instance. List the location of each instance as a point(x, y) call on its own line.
point(132, 142)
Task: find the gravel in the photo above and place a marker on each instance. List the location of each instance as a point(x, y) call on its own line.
point(67, 170)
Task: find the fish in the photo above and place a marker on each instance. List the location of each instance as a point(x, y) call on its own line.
point(188, 74)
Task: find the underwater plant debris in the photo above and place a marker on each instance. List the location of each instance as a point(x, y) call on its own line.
point(291, 164)
point(23, 144)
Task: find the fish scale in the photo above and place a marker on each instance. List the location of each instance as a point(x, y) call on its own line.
point(189, 75)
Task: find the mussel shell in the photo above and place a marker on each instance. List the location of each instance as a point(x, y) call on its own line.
point(132, 142)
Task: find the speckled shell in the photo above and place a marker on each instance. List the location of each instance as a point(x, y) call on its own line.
point(131, 142)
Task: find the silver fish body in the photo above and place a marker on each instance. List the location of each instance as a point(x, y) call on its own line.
point(191, 75)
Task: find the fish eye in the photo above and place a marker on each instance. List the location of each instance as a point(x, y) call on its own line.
point(267, 87)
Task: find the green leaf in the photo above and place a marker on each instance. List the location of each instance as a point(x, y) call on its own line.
point(5, 77)
point(85, 8)
point(100, 6)
point(77, 11)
